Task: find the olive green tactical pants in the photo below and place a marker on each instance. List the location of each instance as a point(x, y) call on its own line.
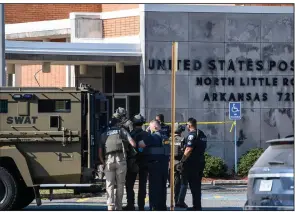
point(115, 174)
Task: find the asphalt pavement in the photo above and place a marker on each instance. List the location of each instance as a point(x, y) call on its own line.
point(222, 198)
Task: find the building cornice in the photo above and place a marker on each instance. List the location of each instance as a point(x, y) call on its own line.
point(215, 8)
point(56, 28)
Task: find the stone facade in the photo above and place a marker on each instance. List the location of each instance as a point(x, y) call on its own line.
point(260, 40)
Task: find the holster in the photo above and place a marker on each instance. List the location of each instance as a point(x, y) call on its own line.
point(132, 165)
point(179, 167)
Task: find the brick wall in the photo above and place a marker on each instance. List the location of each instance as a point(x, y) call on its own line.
point(20, 13)
point(56, 78)
point(117, 27)
point(115, 7)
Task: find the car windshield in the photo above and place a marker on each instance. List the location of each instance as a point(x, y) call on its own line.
point(277, 155)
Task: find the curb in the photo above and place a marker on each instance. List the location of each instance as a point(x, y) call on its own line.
point(207, 183)
point(219, 182)
point(87, 195)
point(229, 182)
point(66, 196)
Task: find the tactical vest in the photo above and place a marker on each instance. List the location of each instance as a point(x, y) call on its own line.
point(127, 124)
point(114, 143)
point(162, 149)
point(178, 145)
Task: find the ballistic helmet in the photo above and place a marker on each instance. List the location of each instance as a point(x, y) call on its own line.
point(119, 113)
point(179, 128)
point(138, 119)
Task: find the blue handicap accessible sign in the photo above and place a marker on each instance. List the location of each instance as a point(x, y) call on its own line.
point(235, 111)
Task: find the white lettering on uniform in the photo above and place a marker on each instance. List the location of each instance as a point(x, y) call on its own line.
point(190, 137)
point(113, 132)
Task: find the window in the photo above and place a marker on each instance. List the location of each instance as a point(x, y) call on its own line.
point(108, 82)
point(54, 121)
point(127, 82)
point(110, 98)
point(3, 106)
point(134, 105)
point(276, 155)
point(51, 106)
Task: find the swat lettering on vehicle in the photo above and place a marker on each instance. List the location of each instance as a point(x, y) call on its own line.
point(21, 120)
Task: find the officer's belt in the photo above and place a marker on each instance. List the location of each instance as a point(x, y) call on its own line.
point(156, 151)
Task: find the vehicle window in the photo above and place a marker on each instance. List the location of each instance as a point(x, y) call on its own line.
point(3, 106)
point(277, 155)
point(51, 106)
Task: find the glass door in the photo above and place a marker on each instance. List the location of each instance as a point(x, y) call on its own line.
point(133, 105)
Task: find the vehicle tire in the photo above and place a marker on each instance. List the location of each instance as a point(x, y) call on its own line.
point(25, 197)
point(8, 190)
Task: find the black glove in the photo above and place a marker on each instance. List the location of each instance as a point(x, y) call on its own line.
point(179, 167)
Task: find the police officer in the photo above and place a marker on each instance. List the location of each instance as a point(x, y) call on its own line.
point(181, 182)
point(166, 130)
point(137, 134)
point(155, 156)
point(164, 127)
point(112, 154)
point(193, 161)
point(120, 114)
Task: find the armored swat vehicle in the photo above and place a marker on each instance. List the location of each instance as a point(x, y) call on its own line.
point(48, 140)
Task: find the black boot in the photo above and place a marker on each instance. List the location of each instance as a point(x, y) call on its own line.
point(181, 205)
point(129, 208)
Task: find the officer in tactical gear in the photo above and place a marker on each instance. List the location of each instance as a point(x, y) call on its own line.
point(112, 153)
point(137, 134)
point(193, 161)
point(120, 114)
point(181, 182)
point(156, 153)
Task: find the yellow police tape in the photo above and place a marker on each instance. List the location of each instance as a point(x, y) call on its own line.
point(233, 123)
point(232, 126)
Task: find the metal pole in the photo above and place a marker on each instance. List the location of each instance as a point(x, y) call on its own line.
point(174, 69)
point(236, 149)
point(2, 46)
point(88, 131)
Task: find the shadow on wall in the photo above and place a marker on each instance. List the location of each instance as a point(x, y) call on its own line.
point(278, 122)
point(282, 120)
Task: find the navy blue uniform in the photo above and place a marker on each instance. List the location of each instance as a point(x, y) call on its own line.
point(137, 134)
point(166, 130)
point(157, 169)
point(195, 164)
